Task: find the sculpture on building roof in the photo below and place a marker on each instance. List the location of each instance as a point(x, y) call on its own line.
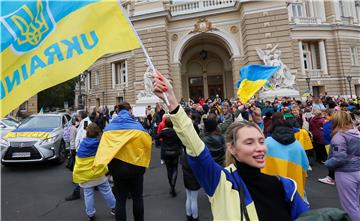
point(283, 78)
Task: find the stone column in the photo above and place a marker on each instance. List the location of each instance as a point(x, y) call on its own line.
point(301, 54)
point(175, 74)
point(311, 8)
point(323, 62)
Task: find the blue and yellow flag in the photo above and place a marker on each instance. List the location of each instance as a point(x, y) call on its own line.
point(252, 78)
point(30, 132)
point(83, 169)
point(124, 139)
point(287, 161)
point(44, 43)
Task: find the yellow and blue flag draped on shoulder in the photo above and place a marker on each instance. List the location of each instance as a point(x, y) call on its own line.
point(44, 43)
point(287, 161)
point(252, 78)
point(30, 132)
point(83, 170)
point(124, 139)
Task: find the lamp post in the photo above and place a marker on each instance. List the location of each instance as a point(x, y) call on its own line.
point(82, 77)
point(349, 80)
point(103, 98)
point(124, 90)
point(308, 83)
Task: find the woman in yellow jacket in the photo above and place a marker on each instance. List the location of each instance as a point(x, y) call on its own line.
point(239, 191)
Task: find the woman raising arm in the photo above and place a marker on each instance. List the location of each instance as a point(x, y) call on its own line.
point(239, 191)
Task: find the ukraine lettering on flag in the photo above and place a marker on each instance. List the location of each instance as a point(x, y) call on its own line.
point(252, 78)
point(124, 139)
point(44, 43)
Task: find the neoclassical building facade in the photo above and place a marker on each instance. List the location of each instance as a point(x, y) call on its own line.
point(202, 45)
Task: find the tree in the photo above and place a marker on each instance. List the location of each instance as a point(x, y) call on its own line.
point(55, 96)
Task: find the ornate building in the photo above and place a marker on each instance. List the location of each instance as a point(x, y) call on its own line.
point(201, 46)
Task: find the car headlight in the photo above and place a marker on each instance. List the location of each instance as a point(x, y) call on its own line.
point(4, 142)
point(49, 140)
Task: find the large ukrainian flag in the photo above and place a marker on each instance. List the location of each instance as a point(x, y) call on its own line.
point(44, 43)
point(124, 139)
point(287, 161)
point(252, 78)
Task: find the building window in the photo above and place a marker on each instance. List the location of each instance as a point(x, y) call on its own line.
point(297, 10)
point(307, 56)
point(354, 56)
point(119, 100)
point(120, 72)
point(97, 79)
point(24, 106)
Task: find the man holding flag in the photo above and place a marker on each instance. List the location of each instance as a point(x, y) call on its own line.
point(125, 147)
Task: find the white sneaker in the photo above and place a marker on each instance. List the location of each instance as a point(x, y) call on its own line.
point(327, 180)
point(162, 162)
point(310, 168)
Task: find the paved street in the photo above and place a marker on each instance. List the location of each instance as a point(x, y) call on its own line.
point(37, 192)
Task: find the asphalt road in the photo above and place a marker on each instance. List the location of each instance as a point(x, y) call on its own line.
point(37, 192)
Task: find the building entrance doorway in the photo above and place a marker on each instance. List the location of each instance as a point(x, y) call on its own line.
point(196, 87)
point(317, 90)
point(215, 86)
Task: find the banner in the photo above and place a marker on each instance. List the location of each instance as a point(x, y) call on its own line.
point(44, 43)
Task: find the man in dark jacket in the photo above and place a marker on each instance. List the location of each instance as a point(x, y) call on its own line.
point(214, 140)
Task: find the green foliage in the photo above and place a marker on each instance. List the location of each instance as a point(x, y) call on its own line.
point(54, 97)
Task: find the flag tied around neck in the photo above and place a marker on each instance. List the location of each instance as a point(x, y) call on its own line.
point(252, 78)
point(44, 43)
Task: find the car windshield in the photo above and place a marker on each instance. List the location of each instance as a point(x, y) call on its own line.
point(42, 122)
point(10, 122)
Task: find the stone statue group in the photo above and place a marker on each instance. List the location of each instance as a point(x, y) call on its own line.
point(283, 78)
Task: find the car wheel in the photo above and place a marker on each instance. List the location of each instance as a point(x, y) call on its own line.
point(62, 153)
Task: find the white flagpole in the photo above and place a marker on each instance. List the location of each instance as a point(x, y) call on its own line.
point(148, 60)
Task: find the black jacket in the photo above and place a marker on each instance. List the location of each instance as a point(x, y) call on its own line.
point(216, 144)
point(171, 145)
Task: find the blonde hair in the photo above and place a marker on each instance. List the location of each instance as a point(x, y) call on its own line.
point(341, 122)
point(230, 138)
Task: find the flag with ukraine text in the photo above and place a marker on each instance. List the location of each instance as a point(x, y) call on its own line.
point(252, 78)
point(44, 43)
point(124, 139)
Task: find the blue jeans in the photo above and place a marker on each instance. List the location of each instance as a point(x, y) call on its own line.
point(105, 191)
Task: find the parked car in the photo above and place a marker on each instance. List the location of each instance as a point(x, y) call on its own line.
point(38, 138)
point(7, 124)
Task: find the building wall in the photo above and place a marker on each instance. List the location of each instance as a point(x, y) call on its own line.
point(247, 26)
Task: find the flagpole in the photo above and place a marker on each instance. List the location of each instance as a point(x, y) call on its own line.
point(148, 60)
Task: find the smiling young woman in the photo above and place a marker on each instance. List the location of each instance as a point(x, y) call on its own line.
point(239, 191)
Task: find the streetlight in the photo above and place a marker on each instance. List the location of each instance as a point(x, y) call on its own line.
point(308, 83)
point(349, 80)
point(124, 90)
point(82, 77)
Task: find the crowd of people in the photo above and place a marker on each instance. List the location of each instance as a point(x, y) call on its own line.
point(251, 159)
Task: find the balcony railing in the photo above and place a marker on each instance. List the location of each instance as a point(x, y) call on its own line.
point(199, 6)
point(314, 72)
point(307, 20)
